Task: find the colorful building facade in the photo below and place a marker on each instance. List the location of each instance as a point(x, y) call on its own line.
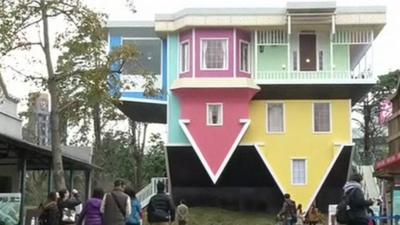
point(259, 100)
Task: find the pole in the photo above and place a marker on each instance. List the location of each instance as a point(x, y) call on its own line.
point(22, 187)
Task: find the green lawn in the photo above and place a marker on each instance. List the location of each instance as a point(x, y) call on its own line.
point(217, 216)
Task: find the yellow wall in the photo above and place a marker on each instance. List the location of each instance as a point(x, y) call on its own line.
point(299, 141)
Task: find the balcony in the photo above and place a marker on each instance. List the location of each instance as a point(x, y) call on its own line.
point(313, 77)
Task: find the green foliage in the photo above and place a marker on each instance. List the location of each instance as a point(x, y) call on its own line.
point(154, 159)
point(370, 148)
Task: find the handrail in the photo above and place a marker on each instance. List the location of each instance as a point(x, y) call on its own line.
point(150, 190)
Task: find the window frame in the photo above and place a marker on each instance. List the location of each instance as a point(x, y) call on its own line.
point(305, 171)
point(181, 44)
point(248, 56)
point(283, 117)
point(313, 117)
point(221, 113)
point(226, 53)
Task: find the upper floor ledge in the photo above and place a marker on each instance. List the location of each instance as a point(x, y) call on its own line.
point(238, 82)
point(313, 77)
point(258, 17)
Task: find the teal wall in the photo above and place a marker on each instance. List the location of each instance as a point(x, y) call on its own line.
point(341, 57)
point(272, 58)
point(175, 133)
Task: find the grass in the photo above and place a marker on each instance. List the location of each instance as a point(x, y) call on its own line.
point(217, 216)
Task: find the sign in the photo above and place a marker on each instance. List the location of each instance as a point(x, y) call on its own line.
point(10, 204)
point(385, 111)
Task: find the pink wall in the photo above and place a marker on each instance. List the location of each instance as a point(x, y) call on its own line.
point(216, 33)
point(209, 138)
point(245, 36)
point(186, 36)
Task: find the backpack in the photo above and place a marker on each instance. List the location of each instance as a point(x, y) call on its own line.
point(343, 209)
point(68, 215)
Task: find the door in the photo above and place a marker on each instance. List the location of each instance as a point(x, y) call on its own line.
point(308, 52)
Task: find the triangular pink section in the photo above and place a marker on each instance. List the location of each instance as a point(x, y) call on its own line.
point(216, 142)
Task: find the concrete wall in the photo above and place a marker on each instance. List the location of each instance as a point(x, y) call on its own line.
point(9, 121)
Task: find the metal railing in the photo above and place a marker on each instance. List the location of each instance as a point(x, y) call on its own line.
point(293, 76)
point(150, 190)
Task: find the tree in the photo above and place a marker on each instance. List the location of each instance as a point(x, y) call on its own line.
point(369, 108)
point(19, 19)
point(154, 159)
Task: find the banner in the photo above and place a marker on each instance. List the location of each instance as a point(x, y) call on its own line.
point(10, 204)
point(385, 111)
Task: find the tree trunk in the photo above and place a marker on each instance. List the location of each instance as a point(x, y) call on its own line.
point(367, 131)
point(59, 179)
point(97, 156)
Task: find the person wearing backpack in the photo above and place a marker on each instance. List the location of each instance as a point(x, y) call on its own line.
point(67, 206)
point(116, 205)
point(357, 214)
point(49, 213)
point(135, 217)
point(161, 209)
point(288, 211)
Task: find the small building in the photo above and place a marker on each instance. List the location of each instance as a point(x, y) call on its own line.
point(388, 169)
point(18, 157)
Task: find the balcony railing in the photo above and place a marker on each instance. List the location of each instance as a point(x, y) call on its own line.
point(313, 77)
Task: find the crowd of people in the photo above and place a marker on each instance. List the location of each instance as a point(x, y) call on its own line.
point(118, 207)
point(356, 206)
point(121, 207)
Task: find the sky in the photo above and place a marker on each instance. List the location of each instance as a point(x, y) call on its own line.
point(385, 51)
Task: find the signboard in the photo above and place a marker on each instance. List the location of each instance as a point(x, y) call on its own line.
point(10, 204)
point(385, 112)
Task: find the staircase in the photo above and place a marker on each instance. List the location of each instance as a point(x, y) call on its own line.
point(150, 190)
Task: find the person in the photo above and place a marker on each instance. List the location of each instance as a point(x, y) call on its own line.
point(78, 208)
point(161, 209)
point(300, 215)
point(67, 205)
point(49, 212)
point(313, 215)
point(288, 211)
point(182, 212)
point(116, 205)
point(358, 204)
point(91, 214)
point(135, 217)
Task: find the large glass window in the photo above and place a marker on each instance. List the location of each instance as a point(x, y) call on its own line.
point(322, 117)
point(184, 57)
point(299, 172)
point(214, 54)
point(214, 114)
point(244, 57)
point(275, 122)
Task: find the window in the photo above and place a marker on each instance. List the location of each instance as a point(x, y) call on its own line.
point(322, 117)
point(214, 54)
point(299, 172)
point(244, 56)
point(184, 57)
point(321, 60)
point(275, 117)
point(294, 60)
point(214, 114)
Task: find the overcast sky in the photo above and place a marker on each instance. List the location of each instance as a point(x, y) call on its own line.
point(386, 46)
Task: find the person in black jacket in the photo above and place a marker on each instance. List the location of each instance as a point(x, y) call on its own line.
point(161, 209)
point(49, 211)
point(358, 204)
point(67, 205)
